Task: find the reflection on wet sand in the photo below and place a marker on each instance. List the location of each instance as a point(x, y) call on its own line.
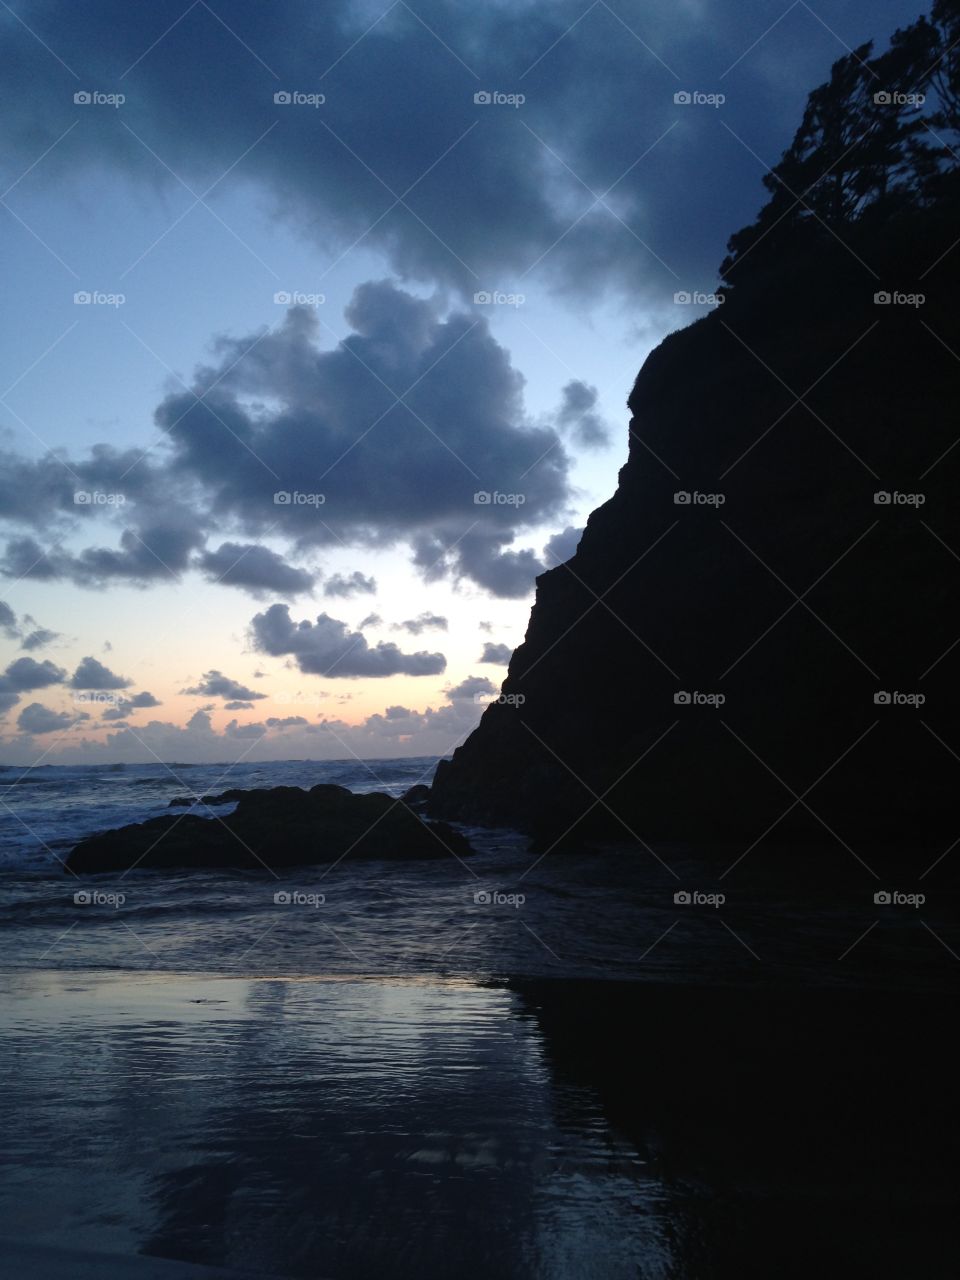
point(368, 1127)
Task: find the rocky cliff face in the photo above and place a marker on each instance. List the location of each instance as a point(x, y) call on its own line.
point(757, 655)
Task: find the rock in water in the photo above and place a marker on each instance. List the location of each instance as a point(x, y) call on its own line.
point(279, 827)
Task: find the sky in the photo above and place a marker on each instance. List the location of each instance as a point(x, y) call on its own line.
point(320, 324)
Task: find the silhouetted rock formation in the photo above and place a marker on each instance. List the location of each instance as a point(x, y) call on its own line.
point(816, 587)
point(278, 827)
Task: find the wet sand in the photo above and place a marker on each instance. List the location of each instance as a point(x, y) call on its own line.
point(364, 1127)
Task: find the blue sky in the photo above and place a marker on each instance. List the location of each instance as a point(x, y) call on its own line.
point(374, 618)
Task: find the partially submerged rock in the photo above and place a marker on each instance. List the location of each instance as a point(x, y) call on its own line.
point(269, 829)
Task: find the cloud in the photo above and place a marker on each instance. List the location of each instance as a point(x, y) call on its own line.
point(425, 622)
point(38, 638)
point(144, 699)
point(354, 585)
point(589, 178)
point(214, 684)
point(578, 419)
point(371, 620)
point(237, 706)
point(470, 687)
point(327, 647)
point(92, 674)
point(286, 722)
point(255, 569)
point(37, 719)
point(8, 621)
point(26, 673)
point(244, 731)
point(119, 712)
point(562, 546)
point(496, 654)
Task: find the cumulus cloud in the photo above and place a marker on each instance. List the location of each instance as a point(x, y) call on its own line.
point(144, 699)
point(424, 622)
point(214, 684)
point(255, 569)
point(562, 546)
point(38, 638)
point(589, 179)
point(577, 416)
point(470, 687)
point(497, 655)
point(38, 719)
point(346, 585)
point(328, 647)
point(92, 674)
point(8, 621)
point(24, 674)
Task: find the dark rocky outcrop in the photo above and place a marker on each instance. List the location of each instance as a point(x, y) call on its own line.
point(274, 828)
point(801, 599)
point(222, 797)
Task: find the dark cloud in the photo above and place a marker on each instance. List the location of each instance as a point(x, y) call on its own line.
point(8, 621)
point(37, 719)
point(238, 706)
point(144, 699)
point(92, 674)
point(25, 674)
point(255, 569)
point(424, 622)
point(354, 584)
point(244, 731)
point(286, 722)
point(471, 687)
point(371, 620)
point(578, 419)
point(328, 647)
point(590, 177)
point(38, 638)
point(455, 468)
point(496, 654)
point(562, 546)
point(119, 712)
point(214, 684)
